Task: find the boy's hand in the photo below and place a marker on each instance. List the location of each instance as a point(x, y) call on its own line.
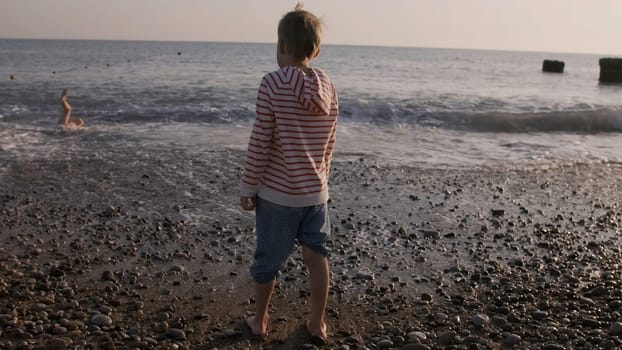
point(247, 203)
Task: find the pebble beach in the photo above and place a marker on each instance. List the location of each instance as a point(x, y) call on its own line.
point(120, 246)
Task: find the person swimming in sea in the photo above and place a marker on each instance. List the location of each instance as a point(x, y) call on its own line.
point(66, 119)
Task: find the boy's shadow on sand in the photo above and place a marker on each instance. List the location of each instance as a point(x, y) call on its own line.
point(241, 334)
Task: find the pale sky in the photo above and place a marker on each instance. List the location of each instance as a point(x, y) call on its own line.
point(590, 26)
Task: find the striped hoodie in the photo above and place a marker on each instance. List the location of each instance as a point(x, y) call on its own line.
point(291, 145)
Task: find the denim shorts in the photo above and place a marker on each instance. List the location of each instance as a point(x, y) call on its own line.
point(279, 228)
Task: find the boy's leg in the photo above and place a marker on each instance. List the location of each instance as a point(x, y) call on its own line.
point(317, 265)
point(64, 120)
point(64, 103)
point(276, 233)
point(313, 236)
point(263, 293)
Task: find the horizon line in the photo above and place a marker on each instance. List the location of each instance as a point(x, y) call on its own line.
point(324, 44)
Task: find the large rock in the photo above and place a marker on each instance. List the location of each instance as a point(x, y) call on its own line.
point(553, 66)
point(610, 70)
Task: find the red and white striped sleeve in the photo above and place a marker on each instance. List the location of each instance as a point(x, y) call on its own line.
point(334, 112)
point(259, 143)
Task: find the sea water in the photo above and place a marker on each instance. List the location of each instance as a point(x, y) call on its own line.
point(414, 106)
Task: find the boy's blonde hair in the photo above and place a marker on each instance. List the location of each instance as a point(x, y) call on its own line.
point(301, 31)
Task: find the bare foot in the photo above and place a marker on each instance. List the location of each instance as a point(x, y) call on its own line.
point(63, 96)
point(255, 326)
point(77, 121)
point(318, 332)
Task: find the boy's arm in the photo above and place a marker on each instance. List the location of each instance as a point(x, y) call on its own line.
point(328, 157)
point(334, 112)
point(260, 140)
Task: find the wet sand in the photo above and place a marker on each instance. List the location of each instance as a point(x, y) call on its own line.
point(116, 247)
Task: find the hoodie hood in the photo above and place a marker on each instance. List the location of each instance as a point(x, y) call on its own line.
point(314, 89)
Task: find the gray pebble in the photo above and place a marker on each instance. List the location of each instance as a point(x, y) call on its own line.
point(363, 275)
point(616, 329)
point(384, 344)
point(176, 334)
point(431, 234)
point(597, 292)
point(615, 304)
point(590, 322)
point(232, 332)
point(58, 343)
point(441, 317)
point(150, 341)
point(512, 339)
point(480, 320)
point(106, 310)
point(539, 315)
point(101, 320)
point(586, 301)
point(499, 321)
point(38, 307)
point(354, 339)
point(59, 330)
point(446, 338)
point(108, 276)
point(416, 337)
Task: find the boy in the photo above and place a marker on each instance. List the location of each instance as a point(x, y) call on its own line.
point(66, 119)
point(287, 166)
